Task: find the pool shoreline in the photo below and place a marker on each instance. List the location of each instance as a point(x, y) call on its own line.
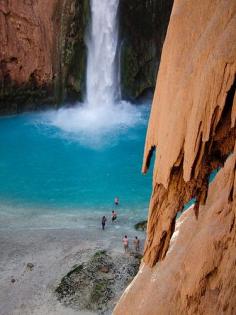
point(53, 252)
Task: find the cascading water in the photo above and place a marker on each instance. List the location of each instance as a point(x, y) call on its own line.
point(78, 157)
point(104, 116)
point(102, 74)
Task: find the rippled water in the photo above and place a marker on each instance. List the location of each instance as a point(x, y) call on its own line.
point(55, 175)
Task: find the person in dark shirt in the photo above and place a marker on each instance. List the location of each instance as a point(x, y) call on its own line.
point(104, 219)
point(113, 215)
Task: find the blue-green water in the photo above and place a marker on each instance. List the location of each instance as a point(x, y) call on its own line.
point(48, 169)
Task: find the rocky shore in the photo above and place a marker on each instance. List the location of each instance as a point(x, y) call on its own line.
point(96, 284)
point(64, 271)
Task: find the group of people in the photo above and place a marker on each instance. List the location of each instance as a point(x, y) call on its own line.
point(136, 241)
point(113, 214)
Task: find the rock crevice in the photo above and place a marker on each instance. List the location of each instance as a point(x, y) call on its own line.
point(192, 126)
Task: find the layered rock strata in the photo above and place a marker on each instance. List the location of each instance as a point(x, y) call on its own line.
point(192, 131)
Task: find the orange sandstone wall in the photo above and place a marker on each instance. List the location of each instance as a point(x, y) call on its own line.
point(198, 274)
point(192, 128)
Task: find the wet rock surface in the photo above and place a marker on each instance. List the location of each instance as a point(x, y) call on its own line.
point(141, 226)
point(96, 285)
point(143, 25)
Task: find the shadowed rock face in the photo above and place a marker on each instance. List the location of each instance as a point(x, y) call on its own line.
point(192, 127)
point(39, 41)
point(143, 25)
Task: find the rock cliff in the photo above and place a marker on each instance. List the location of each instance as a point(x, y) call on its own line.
point(143, 25)
point(192, 131)
point(43, 51)
point(39, 42)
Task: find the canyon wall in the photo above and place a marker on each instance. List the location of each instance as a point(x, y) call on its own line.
point(143, 25)
point(42, 54)
point(190, 267)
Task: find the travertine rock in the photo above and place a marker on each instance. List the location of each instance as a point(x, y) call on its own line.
point(192, 128)
point(192, 123)
point(198, 274)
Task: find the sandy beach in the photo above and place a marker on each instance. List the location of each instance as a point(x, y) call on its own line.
point(53, 253)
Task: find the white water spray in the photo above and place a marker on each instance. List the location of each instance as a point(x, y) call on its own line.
point(102, 72)
point(104, 116)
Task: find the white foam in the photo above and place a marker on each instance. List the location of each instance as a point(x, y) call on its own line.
point(96, 126)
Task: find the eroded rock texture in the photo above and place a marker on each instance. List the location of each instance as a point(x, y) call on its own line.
point(39, 41)
point(197, 275)
point(192, 130)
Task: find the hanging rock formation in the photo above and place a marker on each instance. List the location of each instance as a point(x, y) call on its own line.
point(42, 54)
point(192, 130)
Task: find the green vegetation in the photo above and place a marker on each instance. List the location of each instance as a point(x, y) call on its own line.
point(142, 225)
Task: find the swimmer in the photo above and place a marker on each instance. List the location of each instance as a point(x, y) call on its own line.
point(116, 201)
point(113, 215)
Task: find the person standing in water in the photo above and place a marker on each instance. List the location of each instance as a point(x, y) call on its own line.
point(103, 222)
point(116, 201)
point(113, 215)
point(136, 244)
point(126, 243)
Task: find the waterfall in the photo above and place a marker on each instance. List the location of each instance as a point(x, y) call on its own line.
point(102, 70)
point(98, 122)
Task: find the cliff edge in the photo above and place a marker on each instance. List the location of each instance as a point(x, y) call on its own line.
point(192, 131)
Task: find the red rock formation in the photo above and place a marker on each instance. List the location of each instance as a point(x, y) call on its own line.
point(26, 40)
point(27, 53)
point(42, 52)
point(192, 127)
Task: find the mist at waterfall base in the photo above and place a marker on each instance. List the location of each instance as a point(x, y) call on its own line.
point(63, 168)
point(54, 175)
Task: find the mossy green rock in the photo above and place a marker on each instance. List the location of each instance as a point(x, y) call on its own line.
point(71, 50)
point(142, 225)
point(95, 285)
point(143, 25)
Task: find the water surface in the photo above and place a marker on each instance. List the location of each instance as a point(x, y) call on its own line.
point(52, 176)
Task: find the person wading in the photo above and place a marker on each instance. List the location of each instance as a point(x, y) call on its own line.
point(126, 243)
point(136, 244)
point(116, 201)
point(104, 219)
point(113, 215)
